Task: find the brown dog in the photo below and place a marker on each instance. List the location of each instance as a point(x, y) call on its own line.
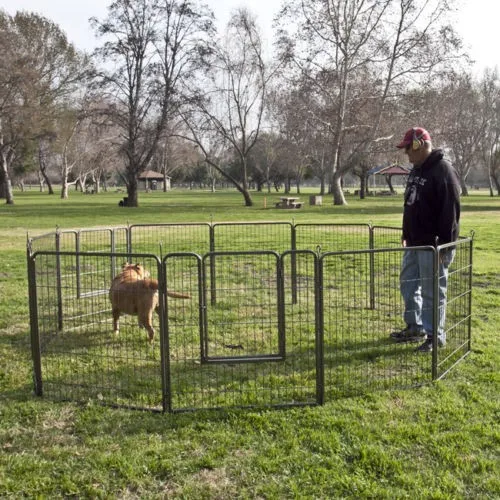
point(134, 292)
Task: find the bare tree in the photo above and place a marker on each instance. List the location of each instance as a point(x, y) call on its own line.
point(341, 43)
point(39, 69)
point(265, 154)
point(489, 91)
point(463, 124)
point(230, 109)
point(172, 153)
point(154, 47)
point(333, 38)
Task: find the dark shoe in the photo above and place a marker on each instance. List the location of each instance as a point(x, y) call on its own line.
point(409, 334)
point(425, 347)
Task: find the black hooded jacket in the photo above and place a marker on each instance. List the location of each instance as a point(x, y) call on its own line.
point(432, 202)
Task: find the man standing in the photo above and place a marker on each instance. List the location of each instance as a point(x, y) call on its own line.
point(431, 215)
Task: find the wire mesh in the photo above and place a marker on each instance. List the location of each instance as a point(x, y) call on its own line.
point(386, 237)
point(162, 239)
point(332, 237)
point(238, 325)
point(358, 352)
point(81, 357)
point(274, 236)
point(458, 306)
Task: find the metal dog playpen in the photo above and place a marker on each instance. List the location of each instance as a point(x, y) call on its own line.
point(280, 314)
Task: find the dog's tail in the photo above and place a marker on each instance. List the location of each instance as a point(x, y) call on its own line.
point(152, 284)
point(177, 295)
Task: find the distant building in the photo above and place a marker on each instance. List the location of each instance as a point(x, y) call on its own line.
point(150, 180)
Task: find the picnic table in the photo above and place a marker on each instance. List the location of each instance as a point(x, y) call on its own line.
point(289, 202)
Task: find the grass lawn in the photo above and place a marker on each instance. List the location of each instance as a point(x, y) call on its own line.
point(438, 441)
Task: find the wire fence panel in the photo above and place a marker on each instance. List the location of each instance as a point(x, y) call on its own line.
point(245, 356)
point(244, 322)
point(332, 237)
point(95, 240)
point(162, 239)
point(458, 306)
point(183, 332)
point(92, 240)
point(120, 240)
point(232, 362)
point(81, 358)
point(302, 369)
point(290, 324)
point(43, 242)
point(386, 237)
point(245, 236)
point(358, 352)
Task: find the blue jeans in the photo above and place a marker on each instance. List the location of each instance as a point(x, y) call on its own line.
point(416, 285)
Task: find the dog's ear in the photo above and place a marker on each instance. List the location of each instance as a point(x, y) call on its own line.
point(125, 265)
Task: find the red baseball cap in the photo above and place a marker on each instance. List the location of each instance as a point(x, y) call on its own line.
point(415, 133)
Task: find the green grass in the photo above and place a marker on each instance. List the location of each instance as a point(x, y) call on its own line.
point(438, 441)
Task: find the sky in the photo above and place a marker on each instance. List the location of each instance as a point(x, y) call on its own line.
point(477, 21)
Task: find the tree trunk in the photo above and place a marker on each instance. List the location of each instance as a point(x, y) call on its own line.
point(388, 180)
point(43, 168)
point(49, 184)
point(362, 187)
point(248, 199)
point(322, 186)
point(41, 182)
point(3, 188)
point(463, 185)
point(64, 181)
point(496, 182)
point(104, 181)
point(165, 165)
point(338, 195)
point(132, 194)
point(5, 182)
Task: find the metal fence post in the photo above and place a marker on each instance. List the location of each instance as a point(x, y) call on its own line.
point(281, 305)
point(35, 334)
point(78, 268)
point(294, 263)
point(113, 248)
point(469, 323)
point(320, 361)
point(129, 240)
point(164, 341)
point(59, 281)
point(435, 311)
point(213, 285)
point(371, 237)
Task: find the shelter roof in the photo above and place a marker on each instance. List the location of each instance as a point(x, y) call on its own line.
point(394, 169)
point(151, 174)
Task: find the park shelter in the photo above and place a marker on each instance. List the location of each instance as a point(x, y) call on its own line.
point(151, 180)
point(394, 169)
point(388, 171)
